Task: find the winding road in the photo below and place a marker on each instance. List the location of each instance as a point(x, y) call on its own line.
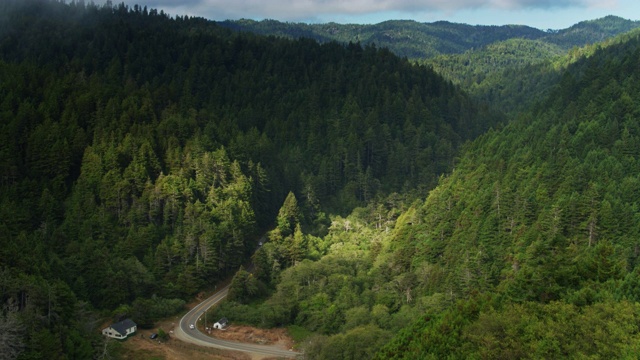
point(194, 336)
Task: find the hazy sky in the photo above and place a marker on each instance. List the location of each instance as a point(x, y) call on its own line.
point(542, 14)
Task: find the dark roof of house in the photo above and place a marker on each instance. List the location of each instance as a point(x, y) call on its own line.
point(122, 326)
point(223, 321)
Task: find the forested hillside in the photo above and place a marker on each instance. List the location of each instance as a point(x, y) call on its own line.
point(510, 75)
point(514, 74)
point(536, 229)
point(591, 31)
point(508, 67)
point(142, 156)
point(529, 249)
point(419, 41)
point(405, 38)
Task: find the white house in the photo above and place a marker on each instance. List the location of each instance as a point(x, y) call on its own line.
point(221, 324)
point(121, 329)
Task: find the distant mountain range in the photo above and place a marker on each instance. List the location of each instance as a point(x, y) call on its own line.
point(416, 40)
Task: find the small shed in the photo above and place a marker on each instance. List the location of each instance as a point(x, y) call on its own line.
point(221, 324)
point(120, 330)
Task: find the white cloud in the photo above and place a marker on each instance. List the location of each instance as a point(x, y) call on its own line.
point(305, 10)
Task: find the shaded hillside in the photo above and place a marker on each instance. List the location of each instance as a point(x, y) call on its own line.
point(510, 67)
point(479, 67)
point(514, 74)
point(591, 31)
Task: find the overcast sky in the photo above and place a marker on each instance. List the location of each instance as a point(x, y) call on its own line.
point(542, 14)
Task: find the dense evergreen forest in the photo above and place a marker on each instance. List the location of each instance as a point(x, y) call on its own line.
point(143, 157)
point(419, 41)
point(509, 67)
point(536, 229)
point(534, 67)
point(529, 249)
point(406, 38)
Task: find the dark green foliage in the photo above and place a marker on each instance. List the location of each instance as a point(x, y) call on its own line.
point(405, 38)
point(591, 31)
point(148, 311)
point(418, 41)
point(540, 214)
point(513, 75)
point(42, 318)
point(340, 117)
point(162, 335)
point(510, 75)
point(243, 286)
point(140, 156)
point(529, 214)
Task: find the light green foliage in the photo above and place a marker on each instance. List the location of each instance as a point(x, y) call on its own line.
point(359, 343)
point(532, 221)
point(425, 40)
point(605, 330)
point(289, 215)
point(162, 335)
point(515, 74)
point(243, 286)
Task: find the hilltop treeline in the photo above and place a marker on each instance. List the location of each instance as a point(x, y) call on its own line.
point(421, 41)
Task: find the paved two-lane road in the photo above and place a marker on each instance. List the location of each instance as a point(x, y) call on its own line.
point(194, 336)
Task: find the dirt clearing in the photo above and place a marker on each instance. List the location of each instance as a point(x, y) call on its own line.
point(140, 346)
point(248, 334)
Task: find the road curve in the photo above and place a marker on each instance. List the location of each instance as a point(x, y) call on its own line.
point(194, 336)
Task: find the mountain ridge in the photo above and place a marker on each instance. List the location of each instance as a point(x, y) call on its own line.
point(417, 40)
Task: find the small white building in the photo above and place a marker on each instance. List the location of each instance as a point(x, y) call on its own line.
point(221, 324)
point(120, 330)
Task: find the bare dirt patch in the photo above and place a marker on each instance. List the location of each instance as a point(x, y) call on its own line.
point(138, 348)
point(248, 334)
